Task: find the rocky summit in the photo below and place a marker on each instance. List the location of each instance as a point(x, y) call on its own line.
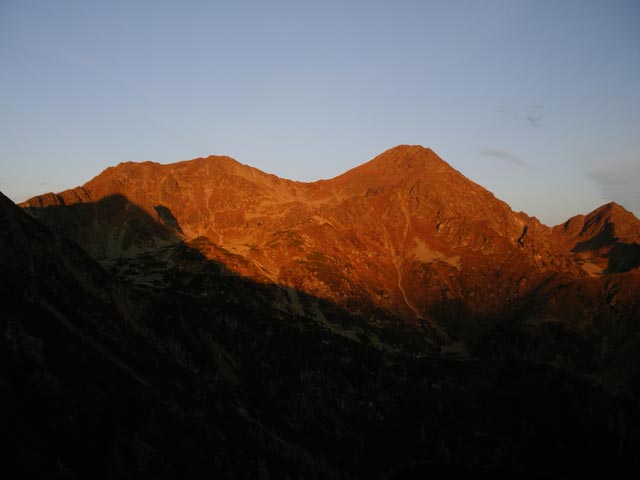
point(206, 319)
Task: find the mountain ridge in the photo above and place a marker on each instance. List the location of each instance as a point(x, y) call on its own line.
point(404, 232)
point(215, 320)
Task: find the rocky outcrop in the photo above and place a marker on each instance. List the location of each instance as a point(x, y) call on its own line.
point(404, 236)
point(605, 241)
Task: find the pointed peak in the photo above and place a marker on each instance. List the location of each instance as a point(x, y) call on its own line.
point(612, 206)
point(400, 161)
point(407, 149)
point(623, 224)
point(407, 152)
point(609, 209)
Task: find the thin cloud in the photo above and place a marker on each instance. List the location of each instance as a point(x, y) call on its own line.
point(502, 155)
point(534, 120)
point(531, 116)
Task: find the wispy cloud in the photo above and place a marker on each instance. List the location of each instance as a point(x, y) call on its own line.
point(530, 116)
point(534, 120)
point(502, 155)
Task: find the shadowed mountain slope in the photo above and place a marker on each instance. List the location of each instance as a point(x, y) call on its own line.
point(168, 364)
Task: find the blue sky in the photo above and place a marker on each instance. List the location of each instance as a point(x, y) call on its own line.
point(538, 101)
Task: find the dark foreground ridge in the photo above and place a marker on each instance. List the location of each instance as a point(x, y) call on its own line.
point(271, 329)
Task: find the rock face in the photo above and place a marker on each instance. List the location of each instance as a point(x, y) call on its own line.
point(605, 241)
point(403, 236)
point(395, 321)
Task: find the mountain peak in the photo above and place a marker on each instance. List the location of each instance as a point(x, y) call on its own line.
point(613, 213)
point(215, 160)
point(613, 205)
point(612, 208)
point(406, 156)
point(408, 149)
point(400, 164)
point(606, 240)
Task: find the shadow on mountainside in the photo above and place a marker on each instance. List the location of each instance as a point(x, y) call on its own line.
point(173, 366)
point(621, 257)
point(110, 226)
point(131, 243)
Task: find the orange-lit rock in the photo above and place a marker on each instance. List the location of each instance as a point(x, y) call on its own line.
point(404, 234)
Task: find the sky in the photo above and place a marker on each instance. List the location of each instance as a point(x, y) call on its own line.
point(538, 101)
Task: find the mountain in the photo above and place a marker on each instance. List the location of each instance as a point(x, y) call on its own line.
point(605, 241)
point(212, 376)
point(396, 320)
point(404, 236)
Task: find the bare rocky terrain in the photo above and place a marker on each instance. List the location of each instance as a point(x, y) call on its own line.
point(205, 319)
